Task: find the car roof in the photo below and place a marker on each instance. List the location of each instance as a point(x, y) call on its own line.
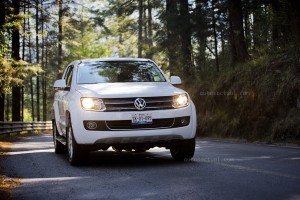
point(114, 59)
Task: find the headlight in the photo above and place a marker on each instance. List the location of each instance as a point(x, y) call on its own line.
point(96, 104)
point(180, 101)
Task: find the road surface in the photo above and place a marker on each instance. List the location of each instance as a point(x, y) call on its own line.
point(219, 170)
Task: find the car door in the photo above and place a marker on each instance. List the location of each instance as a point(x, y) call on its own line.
point(63, 99)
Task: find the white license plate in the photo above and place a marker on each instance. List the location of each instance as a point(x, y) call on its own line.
point(141, 119)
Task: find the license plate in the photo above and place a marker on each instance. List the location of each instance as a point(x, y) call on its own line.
point(141, 119)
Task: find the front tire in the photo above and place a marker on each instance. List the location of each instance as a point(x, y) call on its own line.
point(59, 148)
point(184, 151)
point(75, 155)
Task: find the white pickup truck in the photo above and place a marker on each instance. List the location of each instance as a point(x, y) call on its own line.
point(123, 103)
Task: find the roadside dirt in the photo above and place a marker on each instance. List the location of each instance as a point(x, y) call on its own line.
point(7, 183)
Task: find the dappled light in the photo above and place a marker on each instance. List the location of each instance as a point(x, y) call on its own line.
point(52, 179)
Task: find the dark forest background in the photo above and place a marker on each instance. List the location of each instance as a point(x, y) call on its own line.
point(239, 59)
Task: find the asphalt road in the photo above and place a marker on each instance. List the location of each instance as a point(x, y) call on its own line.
point(219, 170)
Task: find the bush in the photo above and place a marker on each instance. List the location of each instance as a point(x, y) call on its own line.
point(259, 100)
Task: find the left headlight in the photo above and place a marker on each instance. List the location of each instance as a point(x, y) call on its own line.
point(95, 104)
point(181, 100)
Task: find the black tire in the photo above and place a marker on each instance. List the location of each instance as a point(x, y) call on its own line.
point(117, 149)
point(76, 156)
point(139, 150)
point(183, 151)
point(59, 148)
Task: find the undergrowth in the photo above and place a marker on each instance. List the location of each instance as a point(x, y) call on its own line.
point(257, 101)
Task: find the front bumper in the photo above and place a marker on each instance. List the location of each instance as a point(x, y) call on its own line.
point(84, 136)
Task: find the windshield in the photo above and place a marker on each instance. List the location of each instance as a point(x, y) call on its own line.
point(118, 71)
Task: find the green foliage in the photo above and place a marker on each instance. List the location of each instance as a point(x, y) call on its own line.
point(12, 73)
point(81, 37)
point(259, 100)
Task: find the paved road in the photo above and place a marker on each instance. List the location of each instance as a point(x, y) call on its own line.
point(219, 170)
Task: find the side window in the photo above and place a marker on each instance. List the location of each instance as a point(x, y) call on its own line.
point(68, 76)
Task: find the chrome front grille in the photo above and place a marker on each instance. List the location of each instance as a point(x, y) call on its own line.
point(127, 104)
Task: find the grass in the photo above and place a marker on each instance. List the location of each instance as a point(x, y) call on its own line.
point(256, 101)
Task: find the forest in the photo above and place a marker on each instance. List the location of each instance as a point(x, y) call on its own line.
point(238, 59)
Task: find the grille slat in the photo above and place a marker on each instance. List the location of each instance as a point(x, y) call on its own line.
point(118, 102)
point(127, 104)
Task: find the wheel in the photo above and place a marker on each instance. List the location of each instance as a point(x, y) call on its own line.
point(75, 155)
point(184, 151)
point(58, 146)
point(140, 150)
point(117, 149)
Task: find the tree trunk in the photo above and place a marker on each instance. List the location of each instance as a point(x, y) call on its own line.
point(31, 78)
point(150, 34)
point(215, 36)
point(60, 38)
point(2, 95)
point(16, 90)
point(2, 106)
point(140, 29)
point(43, 67)
point(171, 18)
point(45, 84)
point(7, 107)
point(185, 34)
point(247, 24)
point(23, 58)
point(258, 23)
point(276, 23)
point(201, 29)
point(240, 53)
point(145, 25)
point(38, 115)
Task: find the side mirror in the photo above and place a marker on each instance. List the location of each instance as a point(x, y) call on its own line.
point(175, 80)
point(61, 83)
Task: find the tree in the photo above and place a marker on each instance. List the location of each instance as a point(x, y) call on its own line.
point(185, 35)
point(238, 46)
point(16, 90)
point(149, 52)
point(172, 36)
point(2, 43)
point(140, 30)
point(60, 38)
point(80, 39)
point(201, 30)
point(38, 115)
point(215, 35)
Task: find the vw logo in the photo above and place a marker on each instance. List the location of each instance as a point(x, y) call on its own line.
point(140, 103)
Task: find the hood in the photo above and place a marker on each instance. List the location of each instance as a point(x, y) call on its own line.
point(125, 90)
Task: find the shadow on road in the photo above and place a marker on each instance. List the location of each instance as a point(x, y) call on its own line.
point(111, 159)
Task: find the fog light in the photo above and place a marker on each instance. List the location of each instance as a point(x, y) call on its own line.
point(91, 125)
point(184, 121)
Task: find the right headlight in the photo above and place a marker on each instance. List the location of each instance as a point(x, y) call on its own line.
point(181, 100)
point(94, 104)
